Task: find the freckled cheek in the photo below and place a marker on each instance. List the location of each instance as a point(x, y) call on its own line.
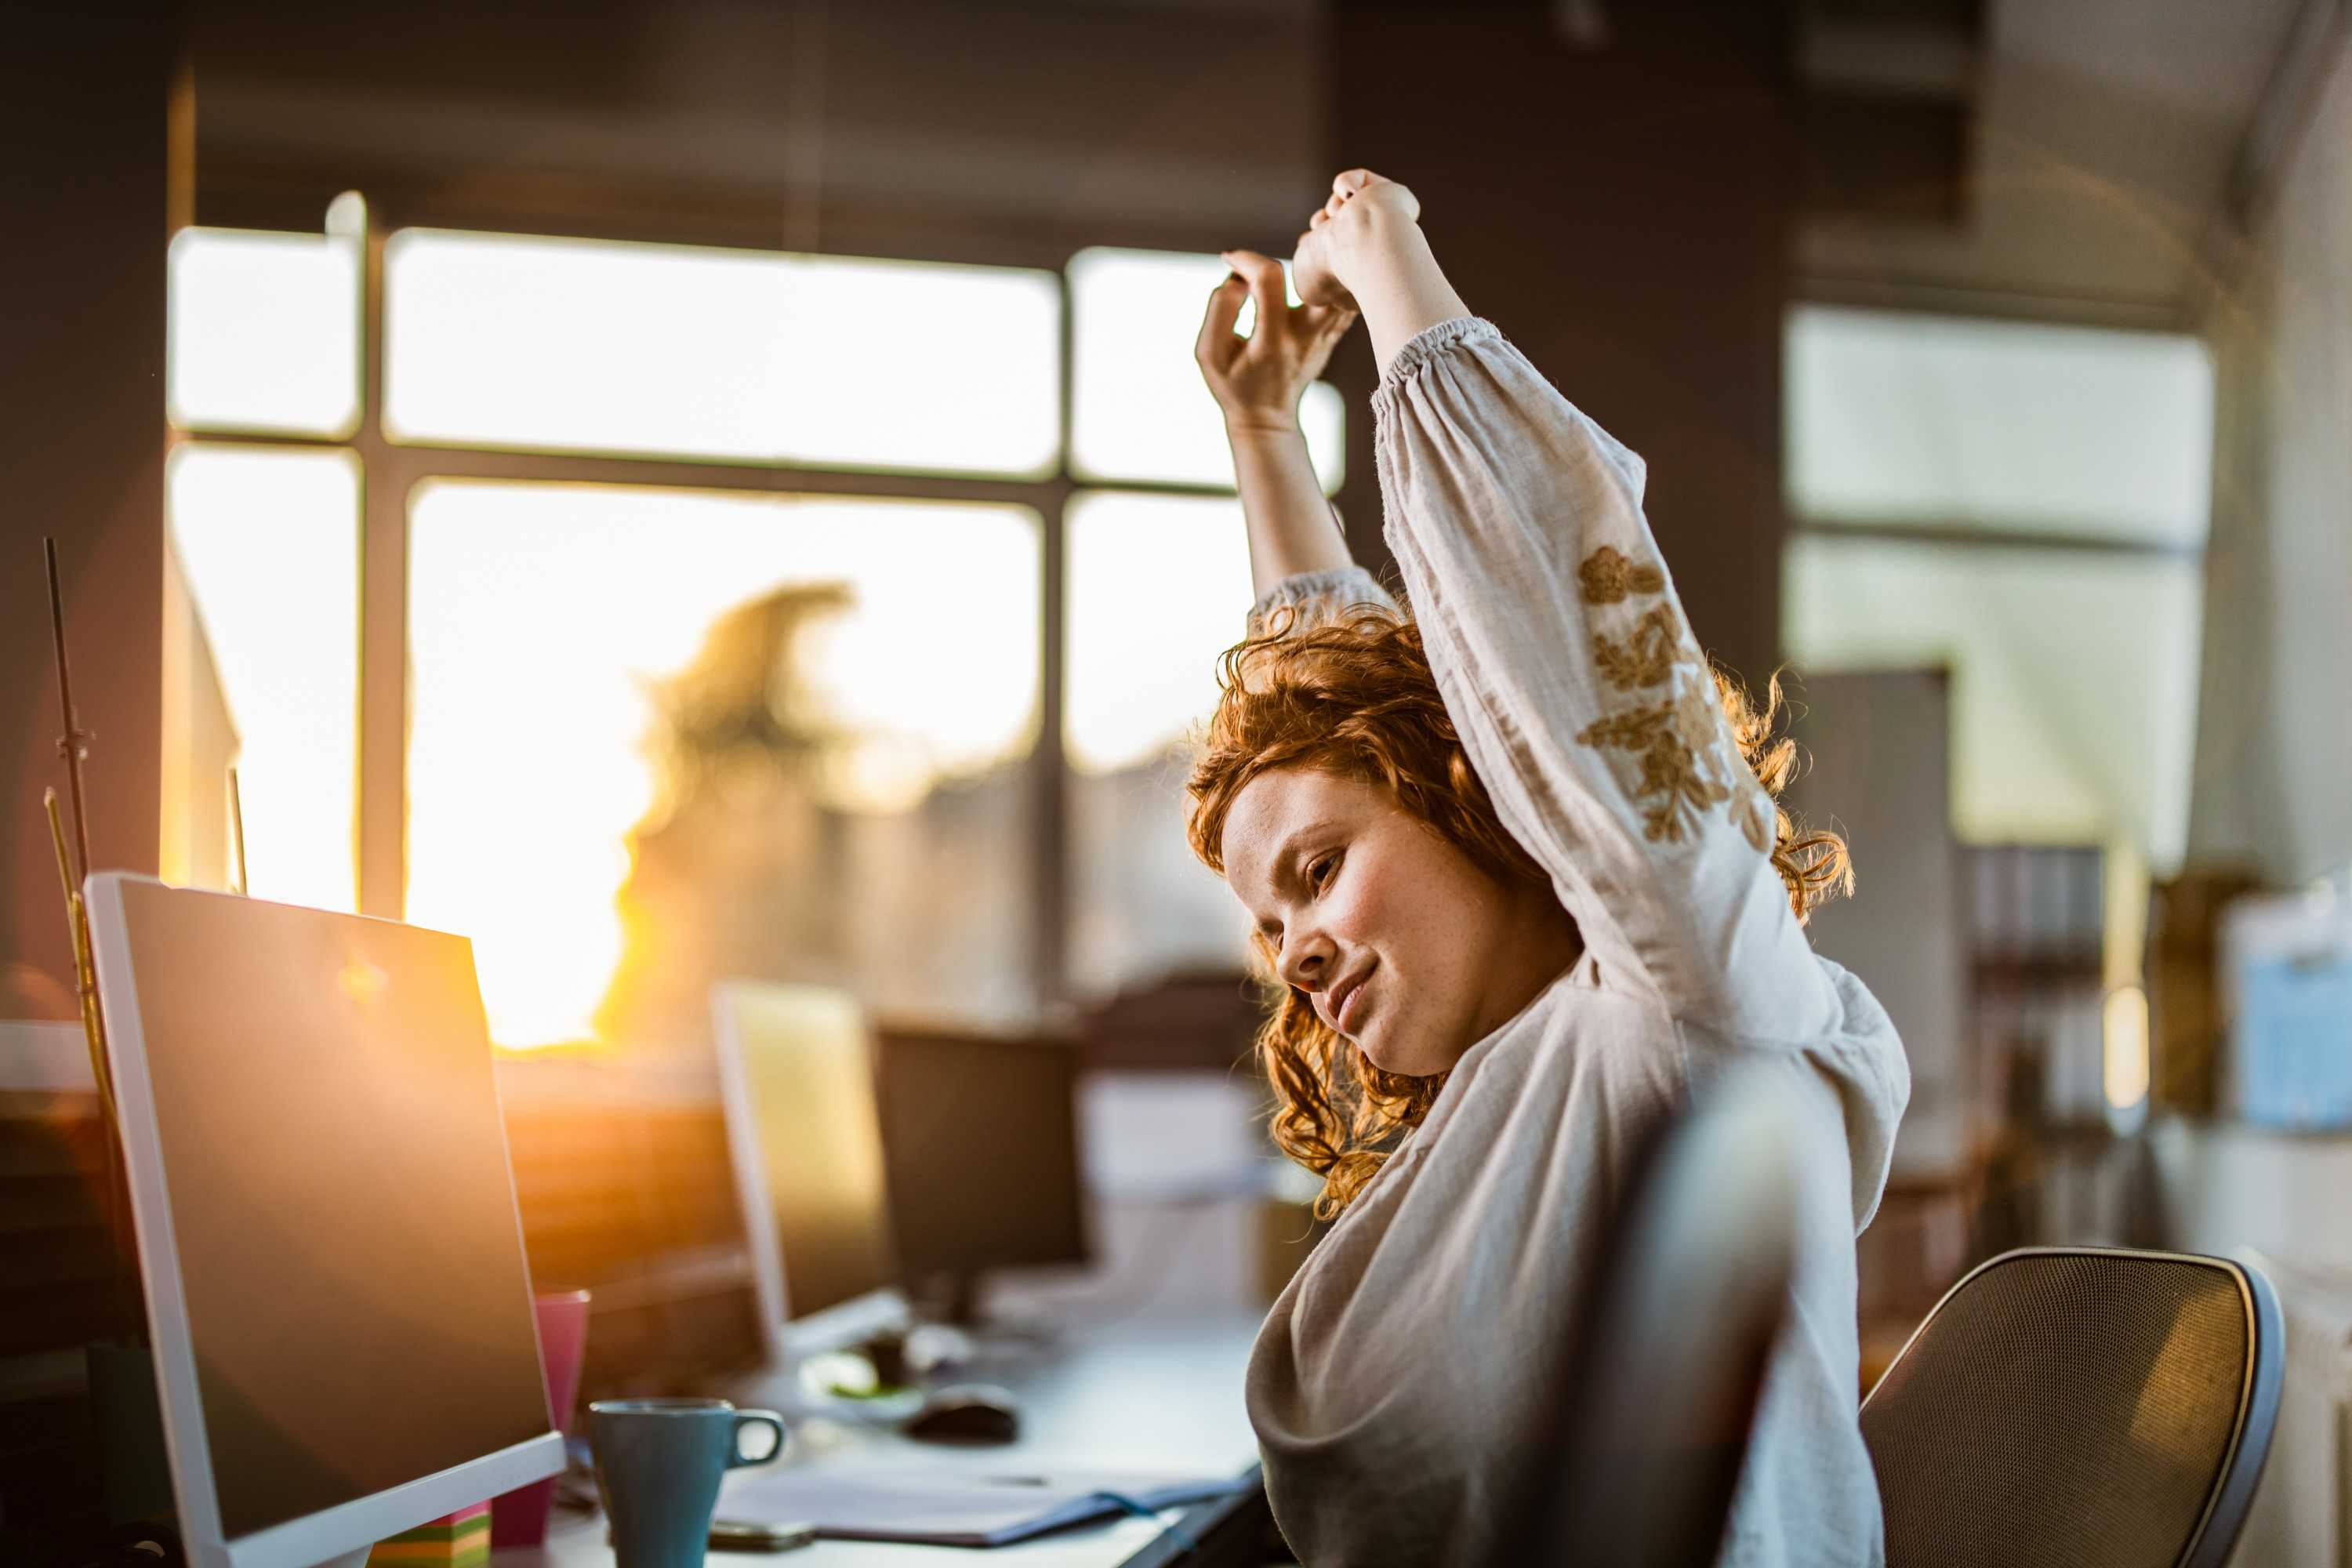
point(1359, 913)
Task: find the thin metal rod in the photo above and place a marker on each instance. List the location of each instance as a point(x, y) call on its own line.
point(123, 1282)
point(70, 744)
point(237, 831)
point(78, 922)
point(93, 1017)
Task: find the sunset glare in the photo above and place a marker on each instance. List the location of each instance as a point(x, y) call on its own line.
point(539, 617)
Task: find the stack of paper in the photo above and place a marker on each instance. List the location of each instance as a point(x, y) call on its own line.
point(955, 1508)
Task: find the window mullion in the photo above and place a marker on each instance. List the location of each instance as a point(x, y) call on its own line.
point(381, 827)
point(1050, 775)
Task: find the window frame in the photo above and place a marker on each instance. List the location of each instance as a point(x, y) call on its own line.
point(391, 471)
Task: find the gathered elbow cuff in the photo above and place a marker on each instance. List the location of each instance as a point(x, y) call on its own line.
point(1431, 342)
point(1319, 598)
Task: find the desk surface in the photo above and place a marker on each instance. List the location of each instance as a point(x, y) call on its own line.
point(1154, 1395)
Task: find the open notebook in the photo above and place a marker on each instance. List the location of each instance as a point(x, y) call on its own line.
point(939, 1507)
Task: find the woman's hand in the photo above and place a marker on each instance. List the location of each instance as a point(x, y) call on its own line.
point(1366, 212)
point(1258, 380)
point(1365, 251)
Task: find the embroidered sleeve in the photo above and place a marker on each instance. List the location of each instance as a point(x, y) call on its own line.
point(1583, 699)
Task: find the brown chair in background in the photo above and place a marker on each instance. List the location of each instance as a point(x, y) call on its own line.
point(2080, 1406)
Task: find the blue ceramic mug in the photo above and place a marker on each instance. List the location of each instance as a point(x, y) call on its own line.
point(658, 1463)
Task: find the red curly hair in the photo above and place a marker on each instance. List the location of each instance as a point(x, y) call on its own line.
point(1357, 699)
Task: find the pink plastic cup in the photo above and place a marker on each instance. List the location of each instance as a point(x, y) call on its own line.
point(518, 1518)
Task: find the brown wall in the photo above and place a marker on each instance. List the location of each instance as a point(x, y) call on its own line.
point(1622, 213)
point(1004, 132)
point(82, 193)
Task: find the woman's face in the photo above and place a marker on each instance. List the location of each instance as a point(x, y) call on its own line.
point(1403, 943)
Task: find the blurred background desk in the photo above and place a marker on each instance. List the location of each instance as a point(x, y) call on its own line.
point(1161, 1394)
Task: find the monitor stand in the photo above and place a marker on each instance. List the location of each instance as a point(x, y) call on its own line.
point(952, 1298)
point(887, 1351)
point(960, 1300)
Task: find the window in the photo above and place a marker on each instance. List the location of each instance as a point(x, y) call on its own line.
point(2074, 676)
point(742, 356)
point(263, 333)
point(1906, 421)
point(268, 542)
point(2027, 504)
point(776, 715)
point(1156, 586)
point(1139, 412)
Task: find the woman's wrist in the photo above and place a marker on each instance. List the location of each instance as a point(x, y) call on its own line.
point(1398, 285)
point(1261, 425)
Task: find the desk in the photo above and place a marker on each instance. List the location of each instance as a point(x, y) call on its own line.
point(1149, 1396)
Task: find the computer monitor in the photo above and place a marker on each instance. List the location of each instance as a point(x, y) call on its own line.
point(981, 1131)
point(335, 1284)
point(627, 1192)
point(796, 1078)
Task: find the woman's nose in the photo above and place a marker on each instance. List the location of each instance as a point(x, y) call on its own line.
point(1306, 961)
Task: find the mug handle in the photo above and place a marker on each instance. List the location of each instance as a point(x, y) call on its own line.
point(768, 1418)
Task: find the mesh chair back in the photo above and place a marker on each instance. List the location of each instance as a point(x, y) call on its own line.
point(2078, 1406)
point(1658, 1379)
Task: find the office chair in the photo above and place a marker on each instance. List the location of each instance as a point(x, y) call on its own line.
point(2078, 1405)
point(1658, 1390)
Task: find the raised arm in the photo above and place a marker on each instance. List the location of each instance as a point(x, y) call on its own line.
point(1257, 382)
point(1558, 642)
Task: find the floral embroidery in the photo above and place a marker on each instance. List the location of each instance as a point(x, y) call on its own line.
point(1644, 659)
point(1699, 722)
point(1676, 741)
point(1608, 577)
point(1681, 746)
point(1687, 764)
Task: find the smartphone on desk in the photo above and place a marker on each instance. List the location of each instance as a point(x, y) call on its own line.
point(743, 1535)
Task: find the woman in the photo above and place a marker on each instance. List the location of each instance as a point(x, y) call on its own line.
point(1512, 866)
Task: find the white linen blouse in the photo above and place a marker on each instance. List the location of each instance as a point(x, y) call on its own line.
point(1402, 1369)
